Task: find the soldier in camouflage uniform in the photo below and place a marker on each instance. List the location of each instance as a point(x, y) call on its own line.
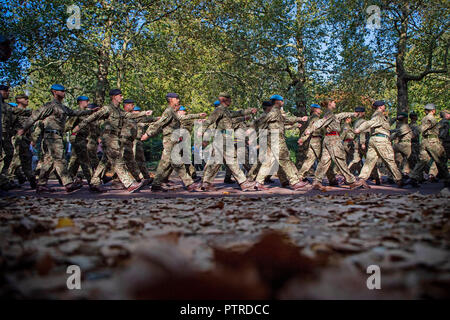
point(379, 145)
point(128, 136)
point(93, 138)
point(275, 123)
point(402, 143)
point(22, 158)
point(445, 140)
point(7, 127)
point(221, 119)
point(138, 149)
point(4, 112)
point(314, 143)
point(54, 115)
point(415, 140)
point(332, 147)
point(113, 117)
point(430, 148)
point(80, 155)
point(360, 143)
point(348, 138)
point(168, 123)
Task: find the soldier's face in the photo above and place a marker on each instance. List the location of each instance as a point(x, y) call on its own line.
point(317, 111)
point(128, 107)
point(22, 101)
point(83, 104)
point(59, 94)
point(332, 105)
point(447, 116)
point(5, 94)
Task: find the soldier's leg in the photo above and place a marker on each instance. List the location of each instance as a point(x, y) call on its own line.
point(231, 163)
point(323, 166)
point(433, 169)
point(139, 156)
point(56, 148)
point(284, 181)
point(8, 151)
point(437, 152)
point(100, 171)
point(286, 164)
point(164, 164)
point(424, 158)
point(128, 157)
point(112, 149)
point(92, 151)
point(311, 156)
point(74, 162)
point(15, 161)
point(46, 164)
point(386, 153)
point(370, 163)
point(228, 174)
point(339, 158)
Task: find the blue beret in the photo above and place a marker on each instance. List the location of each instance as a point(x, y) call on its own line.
point(82, 98)
point(58, 87)
point(92, 106)
point(182, 108)
point(378, 103)
point(315, 105)
point(360, 109)
point(136, 108)
point(216, 103)
point(276, 97)
point(172, 95)
point(4, 87)
point(13, 104)
point(114, 92)
point(127, 101)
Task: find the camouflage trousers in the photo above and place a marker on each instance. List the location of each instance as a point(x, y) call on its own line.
point(282, 159)
point(80, 157)
point(333, 153)
point(402, 156)
point(53, 148)
point(380, 148)
point(92, 153)
point(349, 148)
point(21, 161)
point(415, 152)
point(301, 155)
point(7, 153)
point(166, 164)
point(213, 165)
point(112, 152)
point(356, 163)
point(139, 156)
point(431, 149)
point(313, 154)
point(128, 157)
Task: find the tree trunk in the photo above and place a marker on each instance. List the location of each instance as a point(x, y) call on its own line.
point(402, 81)
point(300, 77)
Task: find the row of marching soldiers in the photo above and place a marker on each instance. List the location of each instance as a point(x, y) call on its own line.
point(330, 141)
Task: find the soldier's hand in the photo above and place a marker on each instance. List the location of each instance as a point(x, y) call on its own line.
point(20, 132)
point(204, 144)
point(144, 137)
point(300, 142)
point(363, 146)
point(307, 133)
point(254, 110)
point(148, 112)
point(76, 129)
point(203, 114)
point(299, 125)
point(305, 118)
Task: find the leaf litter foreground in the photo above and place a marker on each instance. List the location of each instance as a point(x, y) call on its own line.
point(220, 248)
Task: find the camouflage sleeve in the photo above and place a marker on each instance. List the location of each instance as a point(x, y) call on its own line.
point(427, 123)
point(100, 114)
point(216, 115)
point(240, 113)
point(40, 114)
point(165, 118)
point(192, 116)
point(372, 123)
point(341, 116)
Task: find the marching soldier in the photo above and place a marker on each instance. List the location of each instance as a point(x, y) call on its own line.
point(21, 162)
point(379, 144)
point(54, 115)
point(80, 155)
point(415, 140)
point(168, 123)
point(274, 122)
point(430, 148)
point(402, 136)
point(221, 119)
point(138, 149)
point(348, 138)
point(332, 147)
point(113, 118)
